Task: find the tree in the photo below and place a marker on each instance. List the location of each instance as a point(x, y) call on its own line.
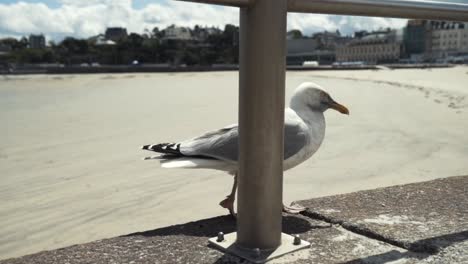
point(191, 57)
point(34, 56)
point(23, 43)
point(74, 46)
point(295, 34)
point(146, 34)
point(212, 46)
point(14, 44)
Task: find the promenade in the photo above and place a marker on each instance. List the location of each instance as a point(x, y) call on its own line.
point(423, 222)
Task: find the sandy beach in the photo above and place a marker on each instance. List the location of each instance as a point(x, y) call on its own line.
point(71, 168)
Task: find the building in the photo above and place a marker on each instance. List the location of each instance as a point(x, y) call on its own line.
point(448, 39)
point(102, 41)
point(435, 40)
point(321, 47)
point(37, 41)
point(302, 50)
point(115, 33)
point(417, 38)
point(5, 66)
point(177, 33)
point(330, 40)
point(4, 49)
point(202, 33)
point(374, 47)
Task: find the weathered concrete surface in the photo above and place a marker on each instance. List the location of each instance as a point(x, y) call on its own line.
point(338, 245)
point(422, 217)
point(187, 243)
point(377, 226)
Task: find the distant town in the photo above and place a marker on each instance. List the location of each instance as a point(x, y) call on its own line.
point(421, 41)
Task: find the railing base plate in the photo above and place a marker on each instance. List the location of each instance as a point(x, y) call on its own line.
point(229, 245)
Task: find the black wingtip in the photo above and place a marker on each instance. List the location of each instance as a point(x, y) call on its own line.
point(145, 147)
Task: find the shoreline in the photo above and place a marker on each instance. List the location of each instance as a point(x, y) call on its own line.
point(170, 69)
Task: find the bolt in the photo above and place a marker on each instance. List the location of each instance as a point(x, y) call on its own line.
point(220, 237)
point(297, 240)
point(256, 253)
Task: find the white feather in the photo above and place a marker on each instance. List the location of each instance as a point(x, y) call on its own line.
point(191, 163)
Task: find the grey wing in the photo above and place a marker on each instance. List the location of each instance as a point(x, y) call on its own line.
point(223, 144)
point(295, 138)
point(220, 144)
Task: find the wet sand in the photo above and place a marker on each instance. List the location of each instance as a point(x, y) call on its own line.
point(71, 168)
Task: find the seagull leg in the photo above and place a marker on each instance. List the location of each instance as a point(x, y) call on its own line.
point(228, 203)
point(293, 209)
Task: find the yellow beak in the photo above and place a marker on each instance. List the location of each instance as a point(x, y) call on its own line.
point(340, 108)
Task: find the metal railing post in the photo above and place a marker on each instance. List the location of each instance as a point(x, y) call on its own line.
point(238, 3)
point(384, 8)
point(427, 9)
point(261, 120)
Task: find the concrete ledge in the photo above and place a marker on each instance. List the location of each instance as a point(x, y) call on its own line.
point(415, 223)
point(421, 217)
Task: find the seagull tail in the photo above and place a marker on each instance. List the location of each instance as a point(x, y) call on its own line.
point(171, 157)
point(164, 148)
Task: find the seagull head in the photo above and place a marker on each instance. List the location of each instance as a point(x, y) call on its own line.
point(310, 96)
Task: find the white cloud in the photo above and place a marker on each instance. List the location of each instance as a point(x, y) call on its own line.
point(80, 3)
point(91, 17)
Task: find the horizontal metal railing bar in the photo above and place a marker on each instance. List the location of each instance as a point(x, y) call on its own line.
point(377, 8)
point(384, 8)
point(238, 3)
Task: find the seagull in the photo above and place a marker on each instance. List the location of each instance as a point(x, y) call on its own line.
point(304, 130)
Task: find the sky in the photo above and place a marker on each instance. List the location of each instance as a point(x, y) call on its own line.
point(57, 19)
